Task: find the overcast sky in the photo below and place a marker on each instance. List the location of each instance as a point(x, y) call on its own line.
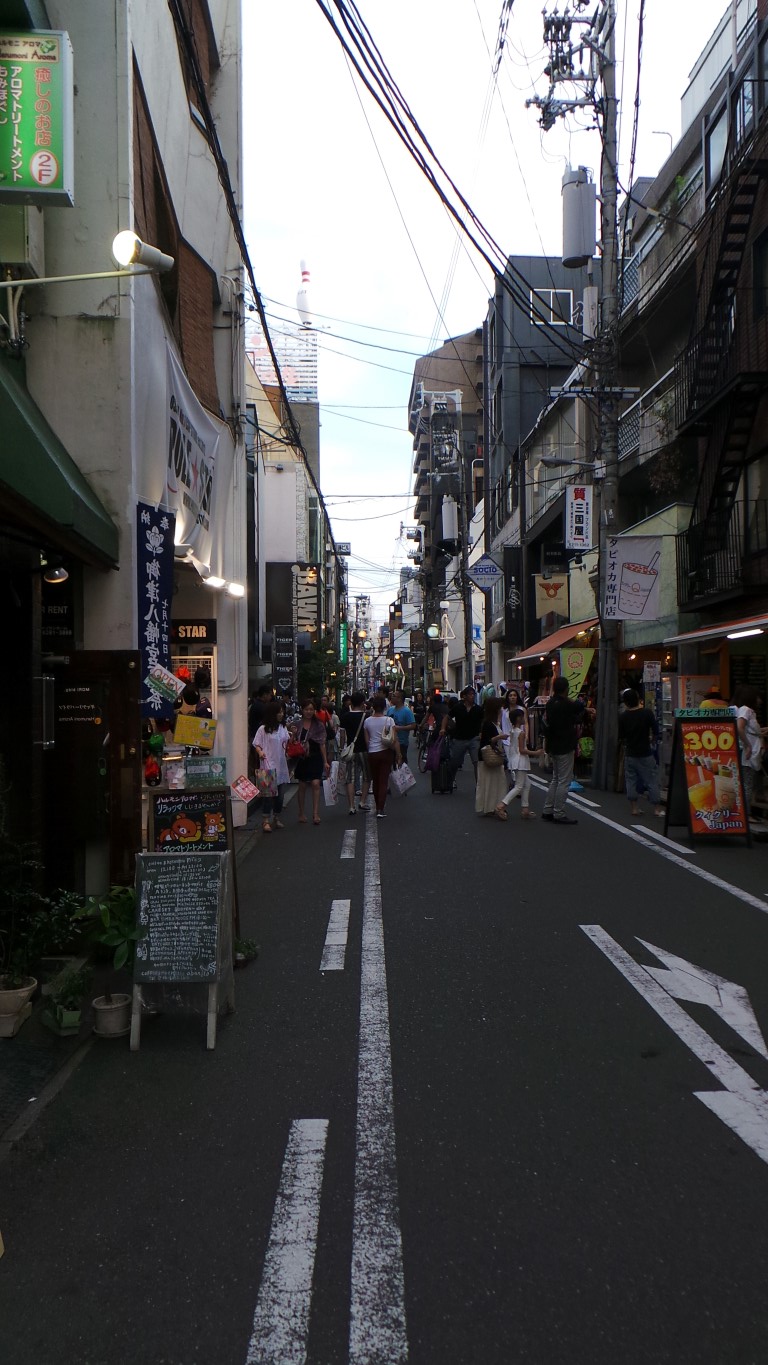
point(328, 181)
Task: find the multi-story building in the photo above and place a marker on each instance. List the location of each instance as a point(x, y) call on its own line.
point(121, 453)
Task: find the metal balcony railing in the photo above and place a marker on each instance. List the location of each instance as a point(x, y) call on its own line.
point(716, 561)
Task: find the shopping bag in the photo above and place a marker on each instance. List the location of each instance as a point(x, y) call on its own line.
point(265, 781)
point(330, 785)
point(433, 755)
point(401, 780)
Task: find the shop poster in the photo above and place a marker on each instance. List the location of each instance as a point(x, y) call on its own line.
point(632, 578)
point(574, 665)
point(706, 788)
point(195, 732)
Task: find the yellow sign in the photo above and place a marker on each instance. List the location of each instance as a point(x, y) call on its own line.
point(197, 732)
point(574, 665)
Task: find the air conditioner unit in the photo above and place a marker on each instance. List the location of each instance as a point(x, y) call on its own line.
point(22, 241)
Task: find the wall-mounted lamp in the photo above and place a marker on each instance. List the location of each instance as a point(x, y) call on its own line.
point(54, 571)
point(236, 589)
point(213, 580)
point(182, 551)
point(128, 249)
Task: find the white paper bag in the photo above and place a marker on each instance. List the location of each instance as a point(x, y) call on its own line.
point(401, 779)
point(330, 785)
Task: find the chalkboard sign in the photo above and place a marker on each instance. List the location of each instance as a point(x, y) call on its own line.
point(197, 821)
point(179, 903)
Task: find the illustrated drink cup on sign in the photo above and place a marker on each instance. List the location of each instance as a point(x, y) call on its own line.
point(636, 585)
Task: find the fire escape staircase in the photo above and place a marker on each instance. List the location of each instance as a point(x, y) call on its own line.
point(715, 395)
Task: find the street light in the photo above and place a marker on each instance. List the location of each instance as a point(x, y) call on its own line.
point(142, 259)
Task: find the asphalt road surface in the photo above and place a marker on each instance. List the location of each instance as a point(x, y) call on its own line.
point(491, 1094)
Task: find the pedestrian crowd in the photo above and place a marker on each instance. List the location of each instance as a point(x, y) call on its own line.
point(368, 741)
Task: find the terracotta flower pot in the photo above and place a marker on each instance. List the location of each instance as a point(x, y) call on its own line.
point(14, 998)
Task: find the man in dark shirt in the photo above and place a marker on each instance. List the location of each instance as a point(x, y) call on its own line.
point(464, 729)
point(561, 735)
point(638, 731)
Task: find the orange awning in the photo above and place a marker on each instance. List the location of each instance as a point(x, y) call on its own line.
point(554, 641)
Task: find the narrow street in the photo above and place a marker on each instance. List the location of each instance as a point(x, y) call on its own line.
point(483, 1100)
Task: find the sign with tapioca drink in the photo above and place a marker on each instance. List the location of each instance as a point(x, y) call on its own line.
point(632, 578)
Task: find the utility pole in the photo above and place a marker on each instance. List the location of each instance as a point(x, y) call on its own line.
point(589, 63)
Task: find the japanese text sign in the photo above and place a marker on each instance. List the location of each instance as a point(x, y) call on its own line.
point(36, 118)
point(578, 516)
point(715, 791)
point(154, 567)
point(632, 578)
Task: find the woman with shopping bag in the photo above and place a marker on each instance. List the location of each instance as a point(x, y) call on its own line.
point(313, 766)
point(383, 747)
point(269, 746)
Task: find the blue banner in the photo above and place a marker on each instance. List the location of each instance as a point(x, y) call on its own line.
point(155, 530)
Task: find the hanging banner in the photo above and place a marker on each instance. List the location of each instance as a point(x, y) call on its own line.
point(551, 594)
point(513, 596)
point(36, 118)
point(154, 569)
point(578, 516)
point(706, 787)
point(193, 475)
point(632, 578)
point(574, 665)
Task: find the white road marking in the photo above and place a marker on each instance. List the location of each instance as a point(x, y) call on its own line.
point(335, 948)
point(542, 783)
point(685, 981)
point(281, 1319)
point(377, 1331)
point(651, 833)
point(742, 1105)
point(640, 837)
point(348, 843)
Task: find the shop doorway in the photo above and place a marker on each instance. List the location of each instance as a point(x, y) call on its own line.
point(92, 773)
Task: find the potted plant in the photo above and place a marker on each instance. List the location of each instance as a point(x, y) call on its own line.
point(113, 924)
point(66, 995)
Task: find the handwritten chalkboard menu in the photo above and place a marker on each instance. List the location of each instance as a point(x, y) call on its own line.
point(197, 821)
point(179, 903)
point(748, 668)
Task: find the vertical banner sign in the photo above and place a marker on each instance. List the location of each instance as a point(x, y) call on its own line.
point(706, 787)
point(154, 568)
point(513, 597)
point(578, 516)
point(192, 475)
point(574, 665)
point(36, 118)
point(551, 594)
point(632, 578)
point(284, 658)
point(652, 698)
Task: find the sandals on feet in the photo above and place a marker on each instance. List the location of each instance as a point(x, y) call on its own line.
point(501, 812)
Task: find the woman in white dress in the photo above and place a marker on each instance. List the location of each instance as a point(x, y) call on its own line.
point(269, 743)
point(491, 780)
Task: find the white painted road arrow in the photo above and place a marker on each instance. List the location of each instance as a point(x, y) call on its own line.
point(742, 1105)
point(686, 982)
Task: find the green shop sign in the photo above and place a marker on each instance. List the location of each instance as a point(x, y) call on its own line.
point(36, 118)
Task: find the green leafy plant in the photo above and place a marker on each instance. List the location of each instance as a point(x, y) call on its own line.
point(69, 988)
point(112, 922)
point(246, 948)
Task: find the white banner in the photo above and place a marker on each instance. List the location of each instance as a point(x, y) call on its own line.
point(578, 516)
point(632, 578)
point(191, 473)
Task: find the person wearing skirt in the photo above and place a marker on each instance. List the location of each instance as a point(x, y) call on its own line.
point(491, 781)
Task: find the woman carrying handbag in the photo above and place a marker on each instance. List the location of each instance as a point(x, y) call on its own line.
point(491, 774)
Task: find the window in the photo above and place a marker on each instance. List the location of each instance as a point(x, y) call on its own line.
point(715, 143)
point(744, 108)
point(760, 276)
point(553, 306)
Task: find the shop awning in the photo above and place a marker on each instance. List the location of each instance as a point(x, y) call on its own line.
point(719, 629)
point(556, 640)
point(36, 467)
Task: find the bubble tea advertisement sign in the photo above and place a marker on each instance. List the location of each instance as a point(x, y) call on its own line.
point(706, 786)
